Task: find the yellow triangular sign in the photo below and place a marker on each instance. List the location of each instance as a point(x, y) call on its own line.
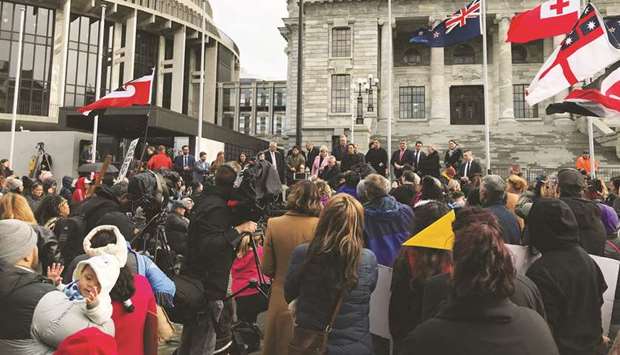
point(438, 235)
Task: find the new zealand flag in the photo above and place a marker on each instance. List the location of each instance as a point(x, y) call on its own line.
point(459, 27)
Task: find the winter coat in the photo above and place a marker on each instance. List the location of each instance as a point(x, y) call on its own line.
point(508, 221)
point(351, 160)
point(96, 206)
point(295, 161)
point(33, 202)
point(453, 158)
point(346, 189)
point(318, 165)
point(429, 165)
point(280, 241)
point(331, 175)
point(386, 227)
point(378, 159)
point(79, 194)
point(569, 280)
point(244, 270)
point(404, 194)
point(67, 191)
point(482, 327)
point(211, 243)
point(47, 243)
point(176, 232)
point(592, 233)
point(20, 292)
point(351, 330)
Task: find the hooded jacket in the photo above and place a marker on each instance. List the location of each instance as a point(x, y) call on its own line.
point(66, 191)
point(592, 234)
point(96, 206)
point(386, 227)
point(569, 280)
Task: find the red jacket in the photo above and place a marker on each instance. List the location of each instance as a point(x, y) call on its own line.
point(136, 332)
point(159, 161)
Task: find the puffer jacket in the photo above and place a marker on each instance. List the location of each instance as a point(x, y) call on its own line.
point(592, 234)
point(47, 243)
point(387, 224)
point(351, 330)
point(570, 282)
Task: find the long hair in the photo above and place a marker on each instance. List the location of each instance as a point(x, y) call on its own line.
point(15, 206)
point(304, 198)
point(49, 208)
point(483, 267)
point(338, 240)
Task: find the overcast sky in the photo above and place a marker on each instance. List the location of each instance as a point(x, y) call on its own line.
point(253, 25)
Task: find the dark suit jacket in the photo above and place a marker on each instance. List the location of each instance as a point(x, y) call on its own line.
point(311, 155)
point(406, 160)
point(416, 161)
point(474, 169)
point(279, 164)
point(339, 151)
point(178, 162)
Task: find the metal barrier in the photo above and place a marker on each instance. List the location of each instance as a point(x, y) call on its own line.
point(531, 172)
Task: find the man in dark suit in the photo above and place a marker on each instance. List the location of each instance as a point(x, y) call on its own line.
point(276, 158)
point(184, 165)
point(331, 173)
point(310, 154)
point(340, 150)
point(469, 167)
point(401, 158)
point(418, 156)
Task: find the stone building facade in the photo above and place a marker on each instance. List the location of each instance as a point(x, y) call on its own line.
point(437, 92)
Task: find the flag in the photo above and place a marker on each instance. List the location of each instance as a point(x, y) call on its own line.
point(438, 235)
point(613, 30)
point(599, 99)
point(551, 18)
point(585, 51)
point(461, 26)
point(135, 92)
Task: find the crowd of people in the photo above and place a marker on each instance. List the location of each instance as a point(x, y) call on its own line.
point(73, 279)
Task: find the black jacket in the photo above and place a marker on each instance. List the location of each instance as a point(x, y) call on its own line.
point(339, 151)
point(47, 243)
point(406, 160)
point(20, 292)
point(454, 159)
point(482, 328)
point(429, 165)
point(378, 159)
point(404, 194)
point(569, 280)
point(176, 232)
point(592, 234)
point(96, 206)
point(313, 153)
point(351, 160)
point(280, 164)
point(474, 169)
point(211, 243)
point(331, 175)
point(417, 161)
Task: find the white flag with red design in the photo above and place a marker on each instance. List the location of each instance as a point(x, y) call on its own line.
point(585, 51)
point(551, 18)
point(135, 92)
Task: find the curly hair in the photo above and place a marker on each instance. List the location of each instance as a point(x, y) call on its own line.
point(304, 198)
point(483, 265)
point(48, 208)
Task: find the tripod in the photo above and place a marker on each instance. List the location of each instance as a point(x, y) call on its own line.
point(259, 285)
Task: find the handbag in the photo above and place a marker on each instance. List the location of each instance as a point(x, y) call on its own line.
point(165, 328)
point(313, 342)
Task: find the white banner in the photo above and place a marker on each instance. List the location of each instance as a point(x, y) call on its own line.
point(128, 159)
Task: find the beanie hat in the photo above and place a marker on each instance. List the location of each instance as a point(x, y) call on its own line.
point(89, 341)
point(571, 177)
point(17, 239)
point(13, 184)
point(117, 250)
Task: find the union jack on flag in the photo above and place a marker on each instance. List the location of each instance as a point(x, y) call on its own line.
point(459, 27)
point(459, 18)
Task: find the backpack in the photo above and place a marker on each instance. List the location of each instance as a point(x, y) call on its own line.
point(71, 232)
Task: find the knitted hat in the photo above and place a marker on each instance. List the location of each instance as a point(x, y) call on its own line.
point(17, 240)
point(118, 249)
point(89, 341)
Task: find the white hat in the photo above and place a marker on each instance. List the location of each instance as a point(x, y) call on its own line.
point(118, 249)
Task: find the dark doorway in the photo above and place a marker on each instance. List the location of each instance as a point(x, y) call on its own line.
point(467, 105)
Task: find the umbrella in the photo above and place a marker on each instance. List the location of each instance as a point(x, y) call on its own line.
point(96, 167)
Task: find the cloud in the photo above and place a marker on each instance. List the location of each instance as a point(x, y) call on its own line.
point(253, 25)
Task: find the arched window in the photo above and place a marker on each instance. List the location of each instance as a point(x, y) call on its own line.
point(412, 56)
point(519, 54)
point(464, 54)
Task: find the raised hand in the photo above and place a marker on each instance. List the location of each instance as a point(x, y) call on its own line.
point(53, 273)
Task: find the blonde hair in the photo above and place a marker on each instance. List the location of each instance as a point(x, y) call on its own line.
point(304, 198)
point(244, 246)
point(517, 183)
point(324, 188)
point(15, 206)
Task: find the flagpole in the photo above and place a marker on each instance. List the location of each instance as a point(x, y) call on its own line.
point(98, 82)
point(202, 82)
point(591, 146)
point(485, 83)
point(389, 85)
point(17, 82)
point(148, 116)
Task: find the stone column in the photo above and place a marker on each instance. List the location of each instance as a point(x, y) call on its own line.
point(504, 79)
point(59, 60)
point(117, 58)
point(160, 74)
point(211, 53)
point(178, 67)
point(439, 93)
point(130, 46)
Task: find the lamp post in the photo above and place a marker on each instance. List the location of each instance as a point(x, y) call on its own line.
point(372, 83)
point(363, 86)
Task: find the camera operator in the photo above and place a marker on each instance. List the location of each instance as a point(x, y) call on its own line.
point(212, 240)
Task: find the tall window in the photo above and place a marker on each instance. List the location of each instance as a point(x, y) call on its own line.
point(261, 124)
point(464, 54)
point(341, 42)
point(244, 122)
point(278, 124)
point(224, 64)
point(245, 98)
point(147, 51)
point(519, 54)
point(411, 102)
point(81, 78)
point(341, 93)
point(36, 60)
point(263, 99)
point(521, 107)
point(279, 98)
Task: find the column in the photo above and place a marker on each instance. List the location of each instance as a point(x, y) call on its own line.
point(439, 93)
point(193, 87)
point(220, 104)
point(210, 82)
point(117, 58)
point(59, 60)
point(160, 73)
point(178, 66)
point(504, 78)
point(130, 46)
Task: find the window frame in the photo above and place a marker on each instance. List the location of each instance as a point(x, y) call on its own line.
point(408, 97)
point(340, 96)
point(521, 109)
point(341, 44)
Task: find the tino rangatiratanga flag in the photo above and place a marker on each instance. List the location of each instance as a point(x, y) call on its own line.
point(135, 92)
